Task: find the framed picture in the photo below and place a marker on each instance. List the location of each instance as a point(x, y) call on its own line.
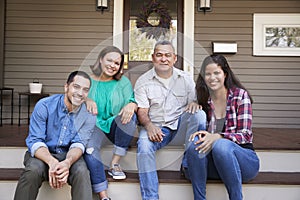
point(276, 34)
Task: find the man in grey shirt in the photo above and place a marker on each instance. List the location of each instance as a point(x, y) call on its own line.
point(166, 107)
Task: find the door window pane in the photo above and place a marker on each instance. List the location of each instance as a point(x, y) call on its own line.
point(140, 44)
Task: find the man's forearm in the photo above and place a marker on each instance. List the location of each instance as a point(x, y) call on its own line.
point(143, 116)
point(43, 154)
point(73, 155)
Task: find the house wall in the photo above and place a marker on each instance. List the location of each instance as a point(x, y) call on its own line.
point(48, 39)
point(274, 82)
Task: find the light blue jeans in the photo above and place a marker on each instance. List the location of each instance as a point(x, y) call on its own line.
point(120, 135)
point(226, 161)
point(146, 159)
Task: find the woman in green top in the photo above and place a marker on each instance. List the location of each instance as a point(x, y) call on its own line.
point(111, 98)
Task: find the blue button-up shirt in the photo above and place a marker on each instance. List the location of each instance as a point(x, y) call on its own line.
point(53, 127)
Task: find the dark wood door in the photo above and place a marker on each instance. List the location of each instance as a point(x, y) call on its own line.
point(150, 16)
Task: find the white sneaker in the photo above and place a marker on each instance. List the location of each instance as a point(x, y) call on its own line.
point(116, 172)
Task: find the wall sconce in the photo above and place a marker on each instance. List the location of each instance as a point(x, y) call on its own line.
point(102, 5)
point(204, 5)
point(224, 47)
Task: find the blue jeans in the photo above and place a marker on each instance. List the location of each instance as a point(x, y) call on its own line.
point(226, 161)
point(146, 159)
point(120, 135)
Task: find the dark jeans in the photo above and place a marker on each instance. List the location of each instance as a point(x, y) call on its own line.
point(36, 171)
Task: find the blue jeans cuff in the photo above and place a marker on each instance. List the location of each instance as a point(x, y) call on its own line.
point(120, 151)
point(99, 187)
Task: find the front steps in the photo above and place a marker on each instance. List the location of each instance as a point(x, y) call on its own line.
point(279, 176)
point(176, 187)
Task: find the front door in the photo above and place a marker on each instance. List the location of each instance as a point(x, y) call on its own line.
point(145, 23)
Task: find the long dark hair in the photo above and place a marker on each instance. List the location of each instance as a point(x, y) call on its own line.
point(231, 80)
point(96, 68)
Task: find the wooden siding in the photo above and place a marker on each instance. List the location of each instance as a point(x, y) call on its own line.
point(2, 22)
point(274, 82)
point(48, 39)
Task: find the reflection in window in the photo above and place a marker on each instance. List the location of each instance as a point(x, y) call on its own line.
point(140, 46)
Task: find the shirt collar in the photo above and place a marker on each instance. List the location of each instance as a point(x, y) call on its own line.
point(176, 73)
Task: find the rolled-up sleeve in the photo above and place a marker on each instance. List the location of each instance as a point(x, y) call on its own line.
point(37, 129)
point(78, 145)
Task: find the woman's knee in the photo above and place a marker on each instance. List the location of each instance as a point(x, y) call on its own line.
point(222, 147)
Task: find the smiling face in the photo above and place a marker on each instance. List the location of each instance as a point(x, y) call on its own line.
point(214, 77)
point(164, 59)
point(110, 65)
point(76, 92)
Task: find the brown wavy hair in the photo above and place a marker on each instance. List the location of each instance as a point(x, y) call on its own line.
point(96, 68)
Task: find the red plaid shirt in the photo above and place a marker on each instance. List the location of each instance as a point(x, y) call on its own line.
point(238, 123)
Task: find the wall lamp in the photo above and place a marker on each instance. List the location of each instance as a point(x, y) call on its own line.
point(204, 5)
point(102, 5)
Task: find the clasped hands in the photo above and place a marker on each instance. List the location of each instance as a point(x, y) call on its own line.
point(58, 173)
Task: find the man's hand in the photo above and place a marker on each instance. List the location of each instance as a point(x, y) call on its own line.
point(154, 133)
point(59, 174)
point(53, 182)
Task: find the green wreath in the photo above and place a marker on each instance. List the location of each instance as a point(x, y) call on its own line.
point(154, 31)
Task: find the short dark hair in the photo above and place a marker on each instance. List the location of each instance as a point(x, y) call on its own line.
point(96, 68)
point(164, 42)
point(77, 73)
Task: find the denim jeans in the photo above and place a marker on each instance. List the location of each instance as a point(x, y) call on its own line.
point(120, 135)
point(146, 159)
point(226, 161)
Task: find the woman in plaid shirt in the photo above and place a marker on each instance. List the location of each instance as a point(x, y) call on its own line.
point(225, 151)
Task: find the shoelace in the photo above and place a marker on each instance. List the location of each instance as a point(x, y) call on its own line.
point(117, 168)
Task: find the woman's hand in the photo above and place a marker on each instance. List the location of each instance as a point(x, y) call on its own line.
point(205, 139)
point(192, 107)
point(127, 112)
point(91, 106)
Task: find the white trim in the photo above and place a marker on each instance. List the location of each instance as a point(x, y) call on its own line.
point(188, 30)
point(118, 24)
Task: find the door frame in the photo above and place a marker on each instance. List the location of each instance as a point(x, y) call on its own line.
point(188, 29)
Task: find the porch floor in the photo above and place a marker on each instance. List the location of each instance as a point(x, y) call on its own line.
point(264, 138)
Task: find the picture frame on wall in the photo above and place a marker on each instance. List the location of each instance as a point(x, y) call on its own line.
point(276, 34)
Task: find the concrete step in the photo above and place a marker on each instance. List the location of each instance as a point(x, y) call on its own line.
point(168, 158)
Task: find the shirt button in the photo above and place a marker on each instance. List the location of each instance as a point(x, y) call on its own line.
point(65, 127)
point(60, 142)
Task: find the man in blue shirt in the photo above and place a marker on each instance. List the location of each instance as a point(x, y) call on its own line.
point(60, 127)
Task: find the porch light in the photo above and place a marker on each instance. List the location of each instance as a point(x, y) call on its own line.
point(204, 5)
point(102, 5)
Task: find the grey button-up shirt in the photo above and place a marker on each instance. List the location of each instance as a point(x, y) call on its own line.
point(165, 104)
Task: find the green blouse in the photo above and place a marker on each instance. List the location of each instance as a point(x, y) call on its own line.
point(110, 97)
